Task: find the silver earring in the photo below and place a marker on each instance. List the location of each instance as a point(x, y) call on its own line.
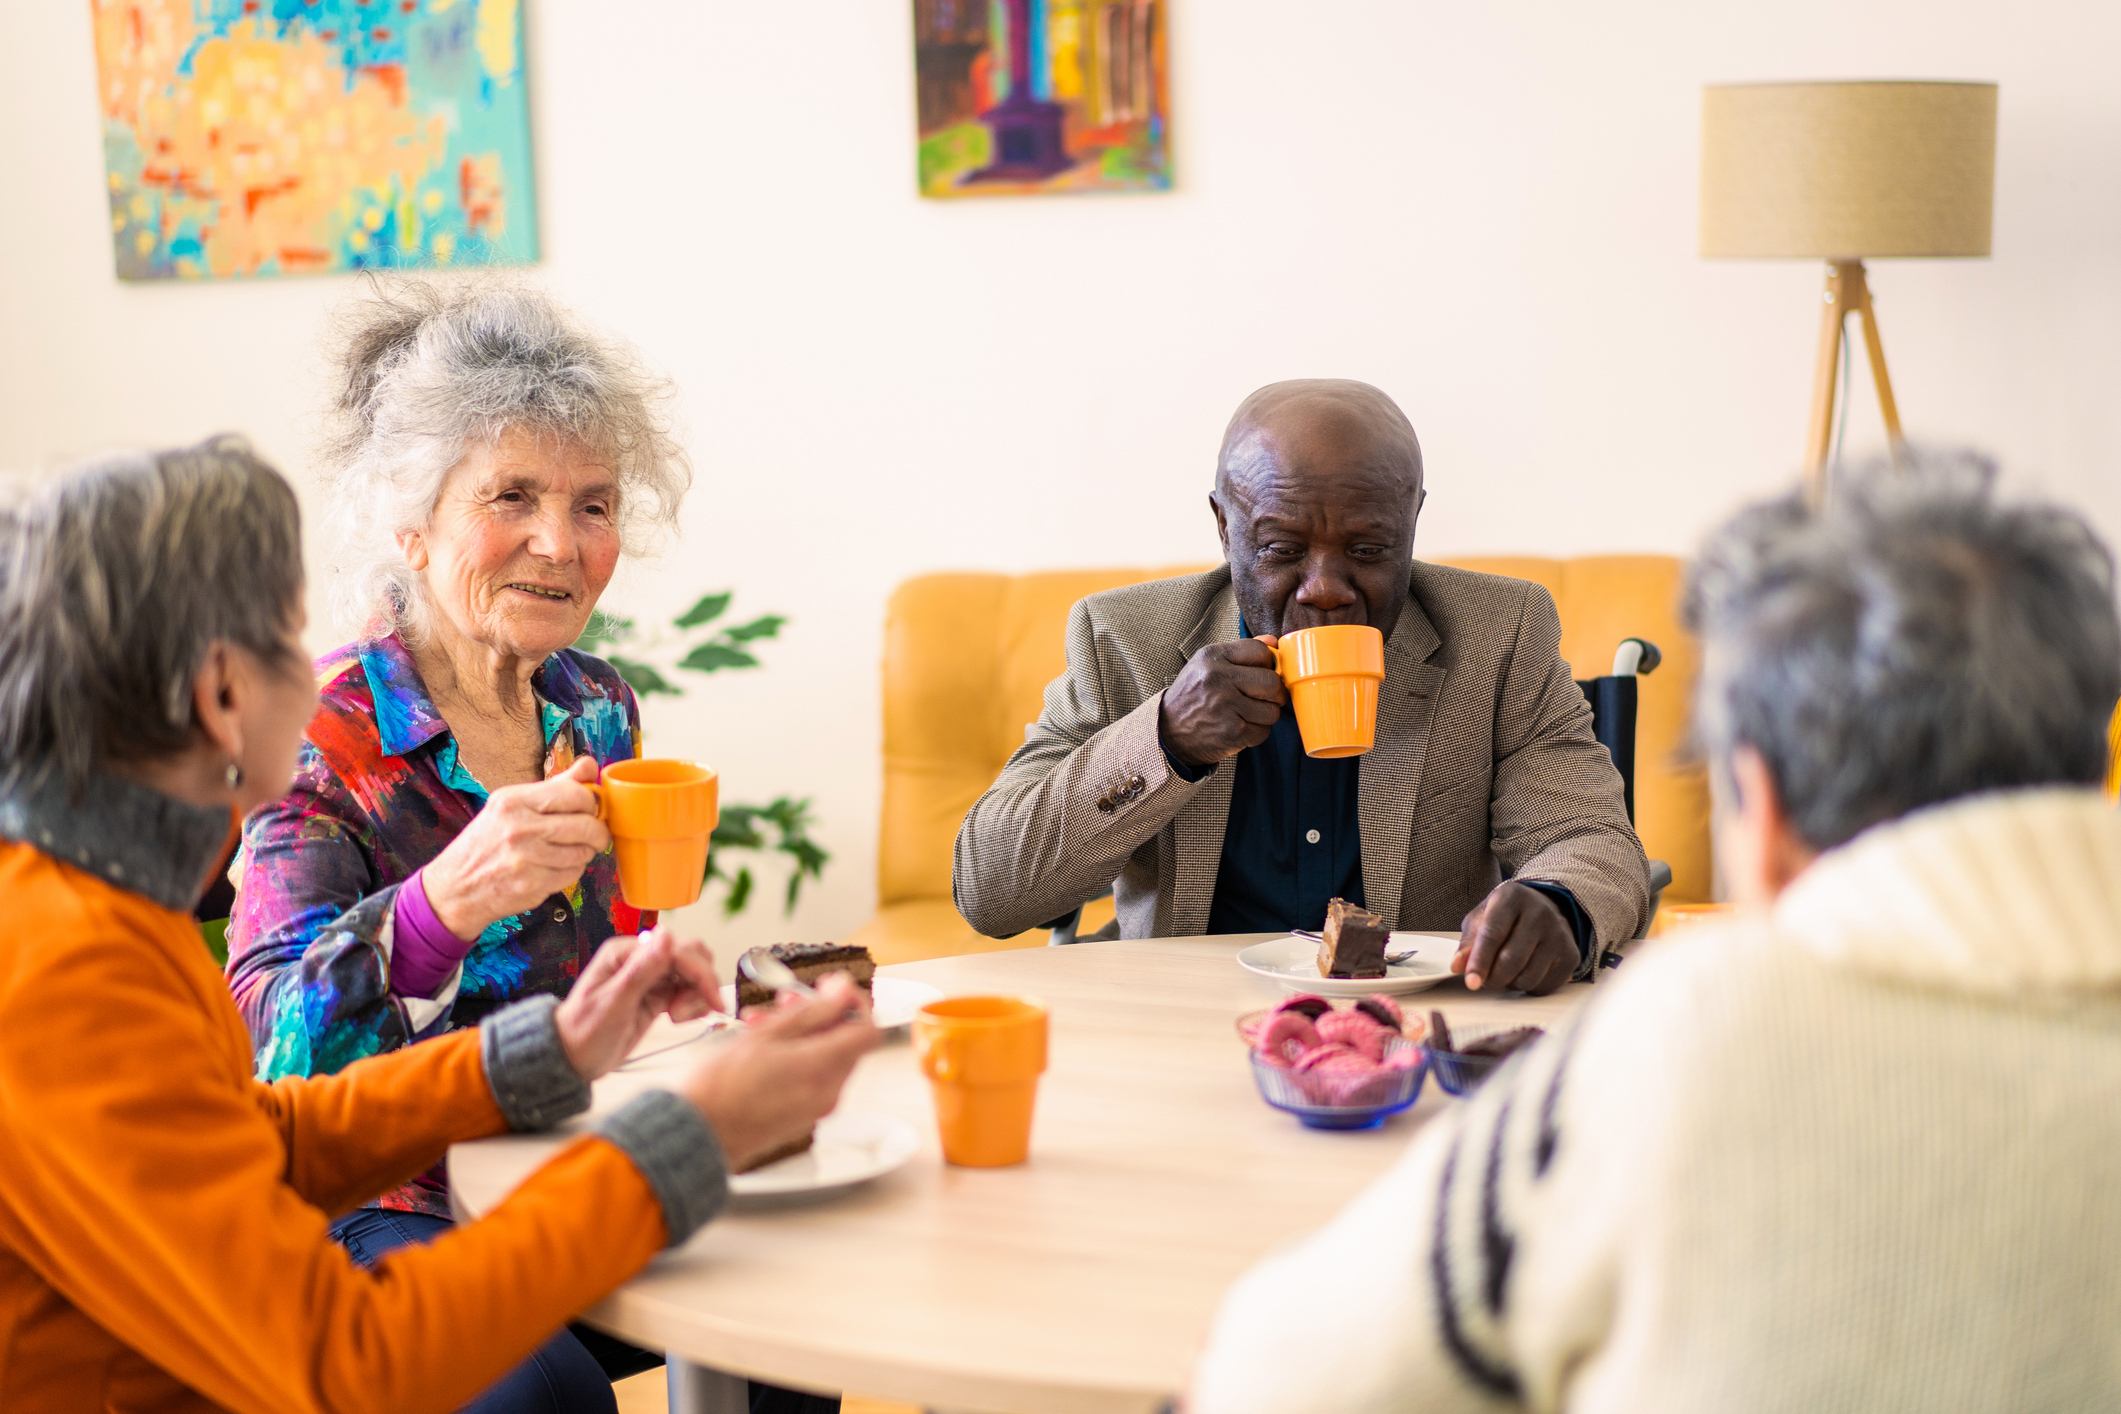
point(233, 775)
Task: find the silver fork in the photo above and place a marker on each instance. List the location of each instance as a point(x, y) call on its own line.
point(762, 967)
point(1392, 959)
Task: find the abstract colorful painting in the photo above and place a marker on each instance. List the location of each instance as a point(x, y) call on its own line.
point(1041, 96)
point(280, 137)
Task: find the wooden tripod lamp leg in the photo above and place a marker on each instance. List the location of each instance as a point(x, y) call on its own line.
point(1819, 435)
point(1848, 291)
point(1876, 348)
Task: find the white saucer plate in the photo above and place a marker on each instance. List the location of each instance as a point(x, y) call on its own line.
point(1293, 962)
point(852, 1146)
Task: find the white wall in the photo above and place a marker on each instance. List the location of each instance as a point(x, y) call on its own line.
point(1486, 209)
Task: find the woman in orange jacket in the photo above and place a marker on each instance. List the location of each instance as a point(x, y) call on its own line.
point(164, 1217)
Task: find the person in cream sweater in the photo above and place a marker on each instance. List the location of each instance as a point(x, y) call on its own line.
point(1856, 1150)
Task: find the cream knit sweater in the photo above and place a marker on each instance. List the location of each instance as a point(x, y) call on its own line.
point(1863, 1155)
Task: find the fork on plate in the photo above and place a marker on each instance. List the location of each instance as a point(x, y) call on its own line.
point(1392, 959)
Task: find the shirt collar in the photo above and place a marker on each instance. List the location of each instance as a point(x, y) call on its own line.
point(405, 715)
point(559, 683)
point(126, 834)
point(406, 718)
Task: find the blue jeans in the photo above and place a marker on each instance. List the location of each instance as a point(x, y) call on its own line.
point(569, 1374)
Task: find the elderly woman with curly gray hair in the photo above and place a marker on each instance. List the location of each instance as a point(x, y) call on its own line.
point(165, 1215)
point(440, 855)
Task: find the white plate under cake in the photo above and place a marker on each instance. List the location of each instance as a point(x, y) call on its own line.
point(850, 1147)
point(1293, 962)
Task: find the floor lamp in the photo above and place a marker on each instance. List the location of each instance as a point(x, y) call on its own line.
point(1842, 172)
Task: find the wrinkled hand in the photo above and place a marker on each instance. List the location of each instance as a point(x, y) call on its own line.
point(771, 1084)
point(1516, 938)
point(528, 843)
point(1226, 699)
point(629, 982)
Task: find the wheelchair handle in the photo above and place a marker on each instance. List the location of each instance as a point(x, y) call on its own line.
point(1635, 655)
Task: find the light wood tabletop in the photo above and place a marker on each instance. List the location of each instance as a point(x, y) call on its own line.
point(1081, 1281)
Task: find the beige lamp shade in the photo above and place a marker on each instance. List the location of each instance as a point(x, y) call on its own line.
point(1844, 171)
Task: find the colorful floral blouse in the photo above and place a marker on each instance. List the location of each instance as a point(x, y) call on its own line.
point(378, 793)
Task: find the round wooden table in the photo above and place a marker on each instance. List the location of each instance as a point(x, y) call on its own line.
point(1079, 1282)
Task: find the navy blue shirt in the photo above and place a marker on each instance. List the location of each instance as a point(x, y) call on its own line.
point(1294, 839)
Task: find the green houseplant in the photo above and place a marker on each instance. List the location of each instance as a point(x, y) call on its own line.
point(697, 641)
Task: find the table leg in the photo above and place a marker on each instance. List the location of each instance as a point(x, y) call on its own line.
point(695, 1389)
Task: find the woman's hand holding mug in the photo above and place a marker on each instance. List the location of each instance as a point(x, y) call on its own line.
point(528, 843)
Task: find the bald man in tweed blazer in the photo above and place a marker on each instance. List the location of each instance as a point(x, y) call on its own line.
point(1485, 769)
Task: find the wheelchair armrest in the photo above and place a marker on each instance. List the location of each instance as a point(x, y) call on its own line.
point(1064, 927)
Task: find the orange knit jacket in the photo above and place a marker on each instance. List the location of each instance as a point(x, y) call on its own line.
point(163, 1216)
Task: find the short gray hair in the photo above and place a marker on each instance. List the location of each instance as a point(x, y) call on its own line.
point(116, 580)
point(1914, 641)
point(429, 370)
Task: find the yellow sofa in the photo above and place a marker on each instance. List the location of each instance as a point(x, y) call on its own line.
point(967, 658)
point(2113, 756)
point(1604, 599)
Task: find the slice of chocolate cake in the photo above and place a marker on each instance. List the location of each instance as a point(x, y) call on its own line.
point(784, 1151)
point(1353, 944)
point(810, 961)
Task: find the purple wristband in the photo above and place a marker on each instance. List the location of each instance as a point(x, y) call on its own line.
point(423, 953)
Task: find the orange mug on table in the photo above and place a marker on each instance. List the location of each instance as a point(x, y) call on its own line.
point(983, 1057)
point(1333, 674)
point(1672, 917)
point(661, 814)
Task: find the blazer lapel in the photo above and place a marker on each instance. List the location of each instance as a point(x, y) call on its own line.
point(1197, 831)
point(1390, 778)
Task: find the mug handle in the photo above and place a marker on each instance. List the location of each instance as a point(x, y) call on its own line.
point(1281, 656)
point(603, 797)
point(941, 1054)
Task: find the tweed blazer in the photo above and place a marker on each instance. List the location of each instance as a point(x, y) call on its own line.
point(1485, 768)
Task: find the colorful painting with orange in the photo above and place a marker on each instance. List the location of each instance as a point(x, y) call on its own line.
point(275, 137)
point(1033, 96)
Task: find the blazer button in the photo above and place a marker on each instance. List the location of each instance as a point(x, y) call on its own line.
point(1104, 803)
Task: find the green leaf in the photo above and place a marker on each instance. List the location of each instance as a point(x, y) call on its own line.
point(603, 628)
point(739, 894)
point(810, 858)
point(216, 935)
point(713, 657)
point(786, 812)
point(710, 608)
point(737, 830)
point(766, 626)
point(643, 679)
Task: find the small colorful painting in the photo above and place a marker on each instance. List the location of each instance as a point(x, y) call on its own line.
point(1022, 96)
point(284, 137)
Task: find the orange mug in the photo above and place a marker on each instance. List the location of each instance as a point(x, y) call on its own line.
point(1672, 917)
point(1333, 675)
point(661, 815)
point(982, 1057)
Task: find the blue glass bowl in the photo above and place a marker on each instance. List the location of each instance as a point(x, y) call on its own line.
point(1283, 1090)
point(1461, 1074)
